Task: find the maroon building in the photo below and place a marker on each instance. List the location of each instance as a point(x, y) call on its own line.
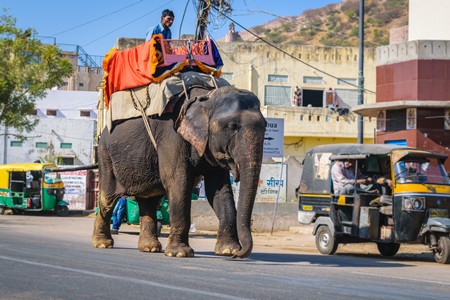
point(413, 96)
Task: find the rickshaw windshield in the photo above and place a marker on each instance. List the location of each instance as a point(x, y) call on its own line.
point(420, 170)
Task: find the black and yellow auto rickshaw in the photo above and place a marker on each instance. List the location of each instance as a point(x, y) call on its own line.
point(417, 211)
point(31, 187)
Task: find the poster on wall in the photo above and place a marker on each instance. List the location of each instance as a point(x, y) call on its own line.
point(447, 119)
point(75, 189)
point(411, 118)
point(381, 120)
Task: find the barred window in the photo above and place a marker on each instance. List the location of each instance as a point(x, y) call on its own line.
point(347, 81)
point(346, 98)
point(41, 145)
point(85, 113)
point(278, 78)
point(277, 95)
point(51, 112)
point(65, 145)
point(312, 80)
point(227, 76)
point(16, 144)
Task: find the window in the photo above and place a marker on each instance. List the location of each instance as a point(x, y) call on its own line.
point(85, 113)
point(51, 112)
point(62, 55)
point(65, 145)
point(72, 56)
point(33, 112)
point(346, 98)
point(278, 78)
point(277, 95)
point(41, 145)
point(66, 161)
point(312, 80)
point(80, 84)
point(227, 76)
point(16, 144)
point(65, 83)
point(347, 81)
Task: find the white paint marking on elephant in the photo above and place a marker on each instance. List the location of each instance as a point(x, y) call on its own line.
point(131, 280)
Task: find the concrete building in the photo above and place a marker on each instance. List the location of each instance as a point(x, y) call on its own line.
point(65, 133)
point(326, 76)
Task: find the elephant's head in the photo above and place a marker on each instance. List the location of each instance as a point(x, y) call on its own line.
point(228, 129)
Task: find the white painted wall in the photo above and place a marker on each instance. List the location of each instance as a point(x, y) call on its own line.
point(429, 20)
point(66, 127)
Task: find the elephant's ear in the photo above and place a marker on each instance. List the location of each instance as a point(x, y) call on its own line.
point(192, 124)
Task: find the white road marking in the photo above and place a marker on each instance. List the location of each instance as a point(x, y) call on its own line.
point(404, 278)
point(131, 280)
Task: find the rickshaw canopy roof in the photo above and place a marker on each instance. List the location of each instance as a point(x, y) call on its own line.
point(26, 166)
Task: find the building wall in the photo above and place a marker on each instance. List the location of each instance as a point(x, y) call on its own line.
point(67, 128)
point(428, 20)
point(252, 63)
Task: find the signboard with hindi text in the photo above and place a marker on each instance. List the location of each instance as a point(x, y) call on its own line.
point(270, 183)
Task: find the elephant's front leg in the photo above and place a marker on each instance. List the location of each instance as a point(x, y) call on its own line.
point(101, 237)
point(180, 216)
point(148, 241)
point(220, 197)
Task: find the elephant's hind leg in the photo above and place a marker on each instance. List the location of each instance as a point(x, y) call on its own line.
point(101, 237)
point(148, 241)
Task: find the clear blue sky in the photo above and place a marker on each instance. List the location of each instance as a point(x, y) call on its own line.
point(96, 24)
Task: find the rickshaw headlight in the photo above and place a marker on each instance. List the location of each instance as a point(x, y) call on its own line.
point(414, 203)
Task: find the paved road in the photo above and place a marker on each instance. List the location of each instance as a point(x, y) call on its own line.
point(48, 257)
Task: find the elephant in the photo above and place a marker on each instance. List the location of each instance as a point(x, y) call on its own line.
point(209, 134)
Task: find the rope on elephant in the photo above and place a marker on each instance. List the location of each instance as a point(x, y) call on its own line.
point(142, 109)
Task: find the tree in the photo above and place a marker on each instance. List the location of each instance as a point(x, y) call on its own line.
point(27, 69)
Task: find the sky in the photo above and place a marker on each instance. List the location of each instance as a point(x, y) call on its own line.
point(96, 24)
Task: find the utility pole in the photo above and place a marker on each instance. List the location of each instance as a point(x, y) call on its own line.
point(203, 12)
point(361, 71)
point(202, 19)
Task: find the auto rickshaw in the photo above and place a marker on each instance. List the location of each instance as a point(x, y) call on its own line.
point(417, 211)
point(31, 187)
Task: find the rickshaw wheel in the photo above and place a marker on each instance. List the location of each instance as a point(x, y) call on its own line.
point(62, 210)
point(442, 253)
point(388, 249)
point(2, 210)
point(326, 243)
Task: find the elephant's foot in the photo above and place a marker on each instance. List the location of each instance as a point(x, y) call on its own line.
point(226, 248)
point(178, 250)
point(149, 245)
point(102, 241)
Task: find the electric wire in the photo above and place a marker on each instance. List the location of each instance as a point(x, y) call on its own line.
point(291, 56)
point(152, 11)
point(99, 18)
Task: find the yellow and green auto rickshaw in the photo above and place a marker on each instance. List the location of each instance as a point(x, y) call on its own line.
point(415, 210)
point(31, 187)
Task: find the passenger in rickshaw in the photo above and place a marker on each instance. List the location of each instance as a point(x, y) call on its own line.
point(385, 183)
point(344, 179)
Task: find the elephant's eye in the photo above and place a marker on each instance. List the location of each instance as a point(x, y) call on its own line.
point(231, 126)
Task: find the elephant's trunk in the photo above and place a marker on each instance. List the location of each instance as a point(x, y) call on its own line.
point(249, 170)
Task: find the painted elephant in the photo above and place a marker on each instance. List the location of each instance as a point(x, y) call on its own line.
point(208, 135)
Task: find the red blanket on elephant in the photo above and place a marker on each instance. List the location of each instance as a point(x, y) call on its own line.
point(138, 66)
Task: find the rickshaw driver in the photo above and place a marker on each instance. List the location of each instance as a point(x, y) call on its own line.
point(344, 179)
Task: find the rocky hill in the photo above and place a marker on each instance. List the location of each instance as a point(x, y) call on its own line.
point(336, 24)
